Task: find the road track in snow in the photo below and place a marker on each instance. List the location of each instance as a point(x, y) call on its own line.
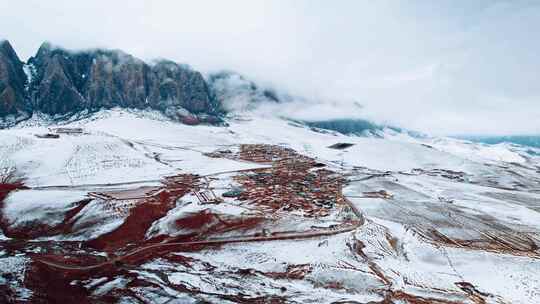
point(246, 239)
point(287, 236)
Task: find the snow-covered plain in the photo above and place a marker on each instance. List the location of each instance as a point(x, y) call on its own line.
point(490, 212)
point(26, 206)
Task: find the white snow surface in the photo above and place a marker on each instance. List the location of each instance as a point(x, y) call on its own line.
point(26, 206)
point(118, 142)
point(500, 193)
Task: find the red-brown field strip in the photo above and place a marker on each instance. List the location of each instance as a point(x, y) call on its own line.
point(180, 245)
point(288, 169)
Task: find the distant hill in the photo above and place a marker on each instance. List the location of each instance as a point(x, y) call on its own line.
point(61, 83)
point(524, 140)
point(346, 126)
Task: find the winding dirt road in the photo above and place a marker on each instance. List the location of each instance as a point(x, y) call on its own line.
point(179, 245)
point(344, 227)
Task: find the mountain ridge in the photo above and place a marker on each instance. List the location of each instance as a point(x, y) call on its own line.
point(12, 81)
point(60, 82)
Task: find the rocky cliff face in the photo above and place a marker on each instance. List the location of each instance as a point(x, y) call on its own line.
point(62, 82)
point(12, 82)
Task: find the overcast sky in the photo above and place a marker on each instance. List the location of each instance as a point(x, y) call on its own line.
point(443, 67)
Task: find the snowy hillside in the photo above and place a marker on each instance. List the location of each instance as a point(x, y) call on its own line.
point(138, 208)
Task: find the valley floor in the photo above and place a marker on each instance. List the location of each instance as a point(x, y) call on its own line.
point(138, 209)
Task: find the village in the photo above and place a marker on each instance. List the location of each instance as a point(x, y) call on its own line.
point(267, 194)
point(291, 185)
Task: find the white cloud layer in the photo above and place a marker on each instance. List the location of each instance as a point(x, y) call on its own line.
point(448, 67)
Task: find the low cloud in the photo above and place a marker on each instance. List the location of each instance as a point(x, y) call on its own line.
point(438, 67)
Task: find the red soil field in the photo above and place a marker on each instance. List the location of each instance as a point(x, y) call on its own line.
point(132, 232)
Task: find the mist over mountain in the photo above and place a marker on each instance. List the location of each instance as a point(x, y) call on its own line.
point(236, 93)
point(269, 152)
point(61, 83)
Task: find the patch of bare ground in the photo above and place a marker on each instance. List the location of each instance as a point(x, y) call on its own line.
point(293, 183)
point(51, 286)
point(206, 223)
point(145, 212)
point(38, 229)
point(295, 179)
point(399, 296)
point(293, 272)
point(10, 181)
point(513, 244)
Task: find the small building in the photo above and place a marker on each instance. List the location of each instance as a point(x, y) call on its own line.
point(67, 130)
point(378, 194)
point(207, 197)
point(341, 146)
point(233, 193)
point(47, 135)
point(129, 194)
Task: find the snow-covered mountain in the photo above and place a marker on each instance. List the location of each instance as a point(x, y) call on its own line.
point(62, 83)
point(130, 206)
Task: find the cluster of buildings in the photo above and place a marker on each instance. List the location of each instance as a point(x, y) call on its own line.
point(181, 181)
point(260, 153)
point(293, 183)
point(263, 153)
point(449, 174)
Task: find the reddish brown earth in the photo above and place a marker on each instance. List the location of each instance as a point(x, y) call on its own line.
point(148, 210)
point(313, 192)
point(5, 189)
point(293, 272)
point(514, 244)
point(36, 230)
point(52, 286)
point(207, 224)
point(290, 179)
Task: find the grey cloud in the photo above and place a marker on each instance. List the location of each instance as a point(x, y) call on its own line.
point(436, 66)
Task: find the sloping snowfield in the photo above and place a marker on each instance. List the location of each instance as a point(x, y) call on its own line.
point(443, 220)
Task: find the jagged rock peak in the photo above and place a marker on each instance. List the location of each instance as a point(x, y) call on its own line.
point(61, 82)
point(69, 81)
point(7, 50)
point(12, 82)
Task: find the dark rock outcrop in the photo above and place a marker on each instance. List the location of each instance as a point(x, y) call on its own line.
point(71, 81)
point(52, 89)
point(179, 86)
point(63, 82)
point(12, 82)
